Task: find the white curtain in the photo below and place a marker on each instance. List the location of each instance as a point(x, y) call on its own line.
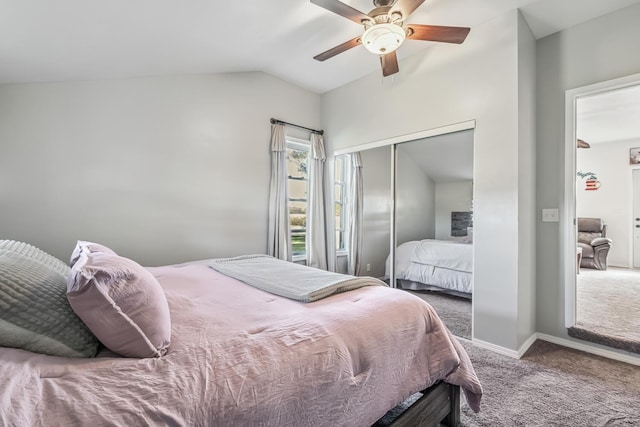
point(355, 215)
point(278, 234)
point(316, 224)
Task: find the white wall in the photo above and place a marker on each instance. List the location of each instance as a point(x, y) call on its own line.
point(161, 169)
point(451, 197)
point(376, 210)
point(448, 84)
point(415, 200)
point(613, 201)
point(598, 50)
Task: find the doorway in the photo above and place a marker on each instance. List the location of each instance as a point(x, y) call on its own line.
point(603, 214)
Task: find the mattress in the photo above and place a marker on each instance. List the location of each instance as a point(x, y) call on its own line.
point(433, 276)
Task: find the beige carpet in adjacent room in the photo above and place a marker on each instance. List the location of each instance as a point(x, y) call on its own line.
point(608, 308)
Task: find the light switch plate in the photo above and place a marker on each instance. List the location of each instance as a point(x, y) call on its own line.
point(550, 215)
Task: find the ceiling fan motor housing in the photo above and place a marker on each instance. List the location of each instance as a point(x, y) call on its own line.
point(382, 3)
point(381, 15)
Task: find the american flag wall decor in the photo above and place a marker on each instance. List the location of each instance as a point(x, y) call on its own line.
point(591, 182)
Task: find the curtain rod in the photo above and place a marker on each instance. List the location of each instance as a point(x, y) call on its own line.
point(280, 122)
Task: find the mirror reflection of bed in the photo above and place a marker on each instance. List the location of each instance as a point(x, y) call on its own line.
point(434, 221)
point(435, 265)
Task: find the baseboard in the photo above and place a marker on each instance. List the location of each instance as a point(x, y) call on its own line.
point(495, 348)
point(528, 343)
point(609, 354)
point(627, 358)
point(516, 354)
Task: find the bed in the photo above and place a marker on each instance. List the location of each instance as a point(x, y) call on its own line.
point(436, 265)
point(241, 356)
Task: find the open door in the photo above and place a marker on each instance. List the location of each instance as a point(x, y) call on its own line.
point(636, 218)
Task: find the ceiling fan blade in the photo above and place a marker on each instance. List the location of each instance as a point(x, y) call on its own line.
point(435, 33)
point(406, 7)
point(389, 64)
point(338, 49)
point(342, 9)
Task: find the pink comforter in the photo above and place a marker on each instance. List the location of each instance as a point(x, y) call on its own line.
point(243, 357)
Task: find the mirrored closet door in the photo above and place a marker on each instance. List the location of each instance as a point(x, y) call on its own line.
point(415, 191)
point(376, 211)
point(434, 217)
point(417, 222)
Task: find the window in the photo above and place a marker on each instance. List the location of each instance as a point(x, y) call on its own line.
point(297, 171)
point(341, 166)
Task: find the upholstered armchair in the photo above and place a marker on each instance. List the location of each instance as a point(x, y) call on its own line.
point(594, 243)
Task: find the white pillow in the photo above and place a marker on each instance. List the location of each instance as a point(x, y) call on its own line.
point(121, 302)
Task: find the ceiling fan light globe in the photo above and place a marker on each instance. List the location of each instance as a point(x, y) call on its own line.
point(383, 38)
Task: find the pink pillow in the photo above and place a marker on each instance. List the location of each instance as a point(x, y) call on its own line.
point(90, 247)
point(121, 303)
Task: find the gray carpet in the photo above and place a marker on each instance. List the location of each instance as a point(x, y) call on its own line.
point(608, 307)
point(454, 311)
point(554, 386)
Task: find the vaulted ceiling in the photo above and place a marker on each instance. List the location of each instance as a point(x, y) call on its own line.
point(62, 40)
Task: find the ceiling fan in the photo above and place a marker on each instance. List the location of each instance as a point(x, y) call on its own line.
point(385, 30)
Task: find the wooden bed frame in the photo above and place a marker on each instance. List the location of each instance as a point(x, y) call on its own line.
point(431, 288)
point(438, 406)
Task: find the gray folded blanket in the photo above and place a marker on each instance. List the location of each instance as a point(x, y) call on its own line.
point(287, 279)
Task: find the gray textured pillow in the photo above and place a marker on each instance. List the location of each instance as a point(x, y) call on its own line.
point(34, 312)
point(121, 302)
